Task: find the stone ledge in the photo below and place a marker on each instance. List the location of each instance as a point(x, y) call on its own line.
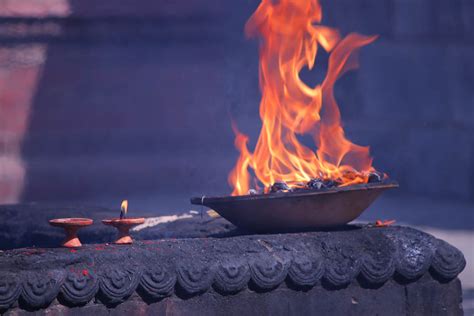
point(32, 278)
point(424, 297)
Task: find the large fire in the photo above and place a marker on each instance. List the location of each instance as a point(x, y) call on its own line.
point(291, 35)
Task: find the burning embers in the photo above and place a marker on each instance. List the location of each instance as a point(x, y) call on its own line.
point(318, 183)
point(291, 34)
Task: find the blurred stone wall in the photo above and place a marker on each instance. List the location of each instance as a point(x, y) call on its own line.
point(415, 91)
point(137, 99)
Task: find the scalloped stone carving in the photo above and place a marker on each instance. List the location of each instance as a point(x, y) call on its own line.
point(448, 261)
point(10, 289)
point(306, 270)
point(41, 288)
point(113, 274)
point(195, 278)
point(378, 267)
point(414, 254)
point(342, 265)
point(117, 283)
point(378, 264)
point(80, 286)
point(267, 271)
point(232, 275)
point(158, 282)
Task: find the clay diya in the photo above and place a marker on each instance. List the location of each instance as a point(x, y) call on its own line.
point(71, 226)
point(123, 226)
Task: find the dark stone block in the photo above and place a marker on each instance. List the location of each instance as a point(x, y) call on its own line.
point(127, 8)
point(431, 150)
point(459, 85)
point(363, 16)
point(390, 299)
point(412, 87)
point(16, 232)
point(468, 18)
point(449, 18)
point(413, 19)
point(429, 297)
point(365, 270)
point(88, 176)
point(430, 156)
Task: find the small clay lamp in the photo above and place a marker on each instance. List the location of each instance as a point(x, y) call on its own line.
point(71, 226)
point(123, 224)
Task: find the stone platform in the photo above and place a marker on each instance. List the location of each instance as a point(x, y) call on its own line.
point(355, 270)
point(26, 225)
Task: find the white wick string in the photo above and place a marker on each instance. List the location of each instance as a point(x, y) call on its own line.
point(202, 204)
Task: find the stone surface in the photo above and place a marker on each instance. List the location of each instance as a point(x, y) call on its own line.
point(449, 18)
point(414, 19)
point(363, 16)
point(181, 269)
point(389, 299)
point(26, 225)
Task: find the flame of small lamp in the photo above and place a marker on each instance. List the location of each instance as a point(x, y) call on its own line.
point(123, 209)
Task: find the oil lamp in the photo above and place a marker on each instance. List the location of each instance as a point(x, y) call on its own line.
point(123, 224)
point(71, 226)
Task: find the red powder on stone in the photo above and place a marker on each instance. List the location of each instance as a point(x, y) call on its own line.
point(379, 223)
point(31, 252)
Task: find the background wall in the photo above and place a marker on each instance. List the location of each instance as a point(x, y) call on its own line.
point(106, 100)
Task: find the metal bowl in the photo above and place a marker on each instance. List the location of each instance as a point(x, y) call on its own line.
point(302, 210)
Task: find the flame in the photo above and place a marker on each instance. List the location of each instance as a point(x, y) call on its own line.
point(291, 35)
point(124, 206)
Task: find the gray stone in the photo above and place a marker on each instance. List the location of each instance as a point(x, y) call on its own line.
point(468, 18)
point(390, 299)
point(414, 18)
point(440, 160)
point(363, 16)
point(449, 19)
point(366, 269)
point(459, 84)
point(412, 87)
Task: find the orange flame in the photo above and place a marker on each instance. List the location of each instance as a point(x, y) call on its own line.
point(291, 35)
point(124, 206)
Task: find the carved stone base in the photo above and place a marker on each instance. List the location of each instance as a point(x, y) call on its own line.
point(423, 297)
point(360, 270)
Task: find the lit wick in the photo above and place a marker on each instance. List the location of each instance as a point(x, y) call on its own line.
point(123, 209)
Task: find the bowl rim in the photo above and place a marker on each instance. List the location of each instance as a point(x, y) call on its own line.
point(71, 221)
point(124, 221)
point(203, 200)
